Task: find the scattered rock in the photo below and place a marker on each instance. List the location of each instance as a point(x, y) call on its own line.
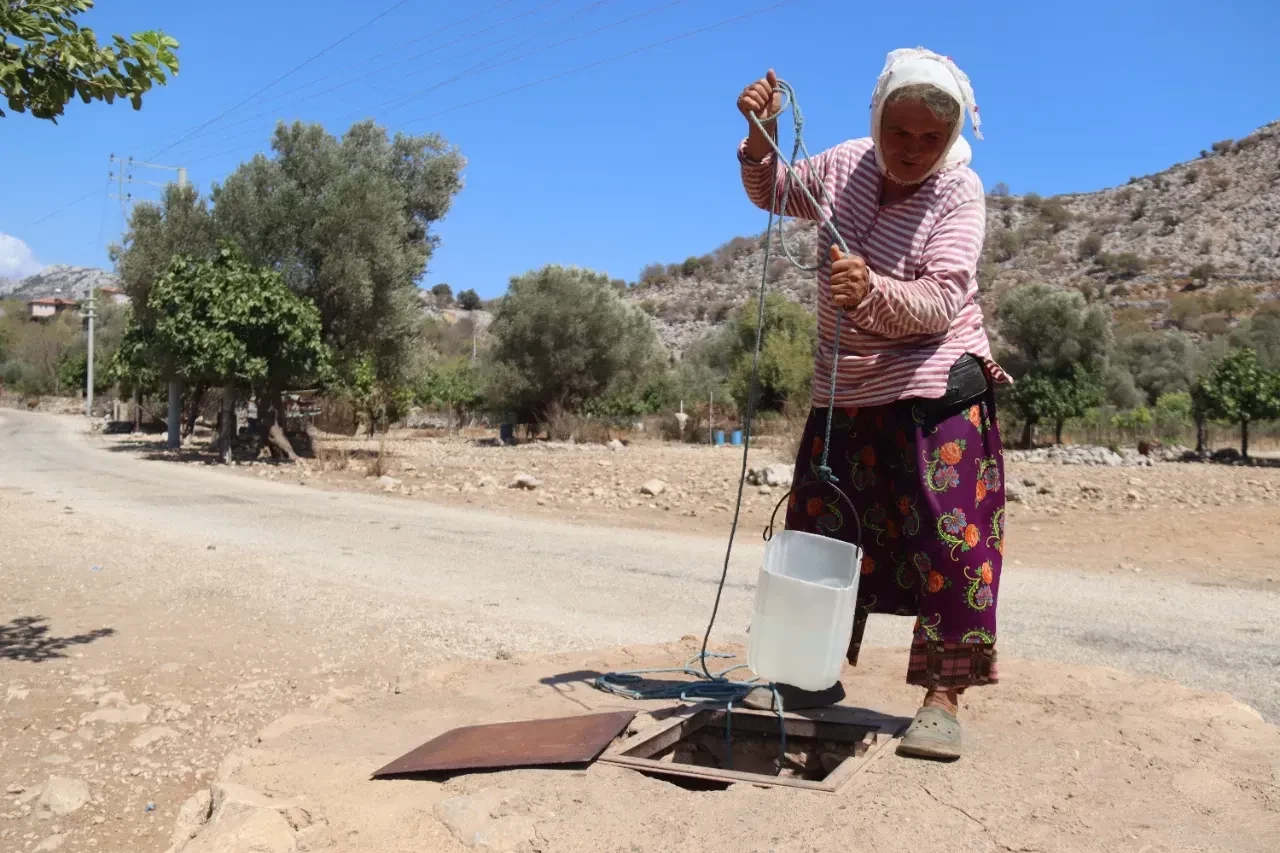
point(286, 724)
point(130, 714)
point(193, 815)
point(153, 735)
point(527, 482)
point(653, 488)
point(1013, 492)
point(775, 475)
point(388, 483)
point(53, 842)
point(62, 796)
point(616, 445)
point(1132, 496)
point(485, 820)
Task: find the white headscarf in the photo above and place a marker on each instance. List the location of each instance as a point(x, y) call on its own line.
point(909, 66)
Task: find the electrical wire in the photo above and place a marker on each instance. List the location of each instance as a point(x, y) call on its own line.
point(384, 68)
point(283, 76)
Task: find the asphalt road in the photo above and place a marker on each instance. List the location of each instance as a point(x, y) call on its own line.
point(522, 584)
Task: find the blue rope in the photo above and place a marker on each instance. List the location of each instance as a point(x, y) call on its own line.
point(707, 686)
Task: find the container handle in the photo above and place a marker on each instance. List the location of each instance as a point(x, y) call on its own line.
point(768, 531)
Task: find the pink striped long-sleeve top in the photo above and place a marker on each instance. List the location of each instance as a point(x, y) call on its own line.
point(921, 313)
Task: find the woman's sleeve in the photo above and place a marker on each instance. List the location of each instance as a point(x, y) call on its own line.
point(928, 304)
point(758, 179)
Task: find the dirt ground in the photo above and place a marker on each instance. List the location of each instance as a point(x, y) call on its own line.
point(1063, 759)
point(141, 670)
point(1206, 523)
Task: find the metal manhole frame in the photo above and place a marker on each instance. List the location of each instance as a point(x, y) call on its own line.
point(881, 733)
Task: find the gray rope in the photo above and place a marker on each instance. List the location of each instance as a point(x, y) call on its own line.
point(716, 687)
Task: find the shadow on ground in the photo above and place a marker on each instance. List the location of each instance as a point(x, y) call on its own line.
point(27, 638)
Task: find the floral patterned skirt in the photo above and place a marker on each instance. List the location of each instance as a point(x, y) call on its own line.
point(927, 484)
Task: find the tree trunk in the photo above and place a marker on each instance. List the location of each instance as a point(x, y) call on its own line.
point(227, 423)
point(1244, 439)
point(1027, 434)
point(193, 414)
point(1200, 436)
point(1057, 432)
point(137, 410)
point(270, 433)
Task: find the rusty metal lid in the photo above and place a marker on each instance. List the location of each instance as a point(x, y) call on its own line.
point(528, 743)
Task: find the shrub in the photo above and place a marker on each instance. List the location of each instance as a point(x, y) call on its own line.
point(1090, 245)
point(1139, 209)
point(1032, 201)
point(1007, 244)
point(1223, 147)
point(1123, 265)
point(1191, 176)
point(1202, 272)
point(1055, 213)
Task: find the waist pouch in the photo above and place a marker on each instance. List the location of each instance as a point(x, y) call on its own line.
point(966, 382)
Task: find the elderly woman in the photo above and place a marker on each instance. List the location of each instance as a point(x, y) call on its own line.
point(914, 443)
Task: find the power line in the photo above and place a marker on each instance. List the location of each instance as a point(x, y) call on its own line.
point(291, 71)
point(414, 95)
point(399, 101)
point(62, 209)
point(600, 62)
point(405, 44)
point(558, 75)
point(378, 71)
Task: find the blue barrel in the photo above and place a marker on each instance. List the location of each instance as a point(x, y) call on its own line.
point(507, 433)
point(735, 437)
point(719, 438)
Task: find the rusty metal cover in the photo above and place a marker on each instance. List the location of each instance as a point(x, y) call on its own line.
point(529, 743)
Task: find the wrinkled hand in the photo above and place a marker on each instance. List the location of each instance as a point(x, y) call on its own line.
point(849, 281)
point(760, 100)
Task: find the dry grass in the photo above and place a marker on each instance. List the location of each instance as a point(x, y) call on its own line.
point(333, 458)
point(380, 464)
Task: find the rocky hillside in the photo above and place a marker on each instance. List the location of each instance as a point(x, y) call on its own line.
point(59, 280)
point(1211, 224)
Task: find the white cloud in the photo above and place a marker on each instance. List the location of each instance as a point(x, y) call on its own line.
point(16, 258)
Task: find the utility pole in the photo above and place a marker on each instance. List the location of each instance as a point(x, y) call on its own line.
point(175, 387)
point(91, 314)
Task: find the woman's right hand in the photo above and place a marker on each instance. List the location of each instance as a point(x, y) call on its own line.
point(760, 98)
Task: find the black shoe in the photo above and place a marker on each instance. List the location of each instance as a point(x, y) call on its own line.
point(793, 698)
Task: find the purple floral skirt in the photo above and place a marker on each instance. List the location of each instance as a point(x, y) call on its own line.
point(927, 483)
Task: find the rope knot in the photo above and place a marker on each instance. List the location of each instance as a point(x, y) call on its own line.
point(825, 474)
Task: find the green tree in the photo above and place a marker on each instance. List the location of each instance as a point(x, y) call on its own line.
point(1172, 414)
point(348, 223)
point(562, 336)
point(1160, 362)
point(469, 300)
point(46, 59)
point(1236, 389)
point(443, 293)
point(1056, 346)
point(454, 383)
point(1262, 332)
point(225, 322)
point(786, 352)
point(1233, 300)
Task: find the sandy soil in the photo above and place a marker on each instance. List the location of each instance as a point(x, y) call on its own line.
point(1063, 758)
point(292, 639)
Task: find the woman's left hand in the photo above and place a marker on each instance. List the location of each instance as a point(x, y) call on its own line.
point(849, 281)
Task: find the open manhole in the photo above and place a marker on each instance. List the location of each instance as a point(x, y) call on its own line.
point(825, 750)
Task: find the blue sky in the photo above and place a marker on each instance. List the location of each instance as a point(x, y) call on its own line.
point(632, 161)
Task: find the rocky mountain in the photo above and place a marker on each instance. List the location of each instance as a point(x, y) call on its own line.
point(1206, 226)
point(59, 280)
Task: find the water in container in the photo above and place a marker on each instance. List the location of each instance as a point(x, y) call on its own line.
point(804, 606)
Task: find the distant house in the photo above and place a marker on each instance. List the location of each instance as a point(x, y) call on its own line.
point(115, 294)
point(49, 306)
